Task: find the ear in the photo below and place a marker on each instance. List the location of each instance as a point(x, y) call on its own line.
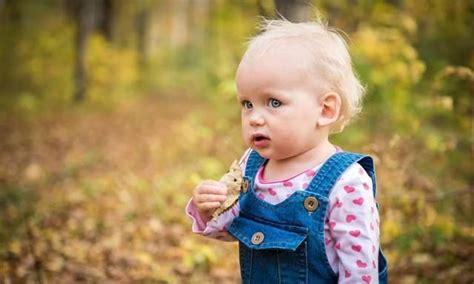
point(330, 108)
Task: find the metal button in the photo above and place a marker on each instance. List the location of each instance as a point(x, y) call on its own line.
point(311, 203)
point(257, 238)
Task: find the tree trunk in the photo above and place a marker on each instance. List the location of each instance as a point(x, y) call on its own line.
point(84, 23)
point(106, 21)
point(200, 18)
point(179, 25)
point(294, 10)
point(142, 28)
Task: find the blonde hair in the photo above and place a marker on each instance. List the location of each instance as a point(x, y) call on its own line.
point(330, 56)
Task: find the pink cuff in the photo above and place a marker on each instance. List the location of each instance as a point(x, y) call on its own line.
point(198, 224)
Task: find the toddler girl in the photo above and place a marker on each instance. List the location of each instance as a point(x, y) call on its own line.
point(309, 214)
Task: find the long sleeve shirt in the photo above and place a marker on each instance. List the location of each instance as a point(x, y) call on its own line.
point(351, 229)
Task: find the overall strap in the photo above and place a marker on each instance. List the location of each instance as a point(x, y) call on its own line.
point(368, 164)
point(335, 166)
point(254, 162)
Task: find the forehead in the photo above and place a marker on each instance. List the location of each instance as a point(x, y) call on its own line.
point(281, 64)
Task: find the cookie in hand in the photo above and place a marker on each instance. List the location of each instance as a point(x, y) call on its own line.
point(234, 182)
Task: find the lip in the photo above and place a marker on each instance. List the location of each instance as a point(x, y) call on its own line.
point(260, 140)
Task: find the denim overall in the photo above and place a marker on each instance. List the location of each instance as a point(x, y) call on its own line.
point(284, 243)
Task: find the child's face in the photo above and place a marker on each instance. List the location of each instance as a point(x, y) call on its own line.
point(280, 104)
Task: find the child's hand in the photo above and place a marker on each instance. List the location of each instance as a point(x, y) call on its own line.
point(208, 196)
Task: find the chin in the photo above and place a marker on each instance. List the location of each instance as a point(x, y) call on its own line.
point(264, 153)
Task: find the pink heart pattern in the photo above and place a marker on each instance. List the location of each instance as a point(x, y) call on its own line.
point(354, 233)
point(347, 198)
point(361, 264)
point(350, 218)
point(356, 248)
point(349, 188)
point(358, 201)
point(271, 191)
point(366, 278)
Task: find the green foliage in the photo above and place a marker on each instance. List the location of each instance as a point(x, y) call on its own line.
point(36, 77)
point(113, 72)
point(391, 68)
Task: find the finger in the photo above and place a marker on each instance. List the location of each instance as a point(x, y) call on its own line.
point(213, 183)
point(208, 206)
point(203, 198)
point(212, 188)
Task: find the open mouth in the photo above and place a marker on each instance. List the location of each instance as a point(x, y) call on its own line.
point(259, 137)
point(260, 140)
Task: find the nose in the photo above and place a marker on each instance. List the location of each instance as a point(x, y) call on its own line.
point(256, 119)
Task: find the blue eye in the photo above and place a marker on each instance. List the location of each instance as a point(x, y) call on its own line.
point(247, 104)
point(274, 103)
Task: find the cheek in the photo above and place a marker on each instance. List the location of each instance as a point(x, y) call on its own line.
point(243, 118)
point(296, 131)
point(285, 133)
point(243, 121)
point(245, 130)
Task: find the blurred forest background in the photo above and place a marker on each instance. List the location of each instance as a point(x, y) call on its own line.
point(112, 110)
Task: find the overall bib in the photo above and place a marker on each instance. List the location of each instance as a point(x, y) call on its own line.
point(284, 243)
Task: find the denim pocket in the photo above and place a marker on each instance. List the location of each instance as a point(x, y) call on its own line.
point(271, 253)
point(272, 236)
